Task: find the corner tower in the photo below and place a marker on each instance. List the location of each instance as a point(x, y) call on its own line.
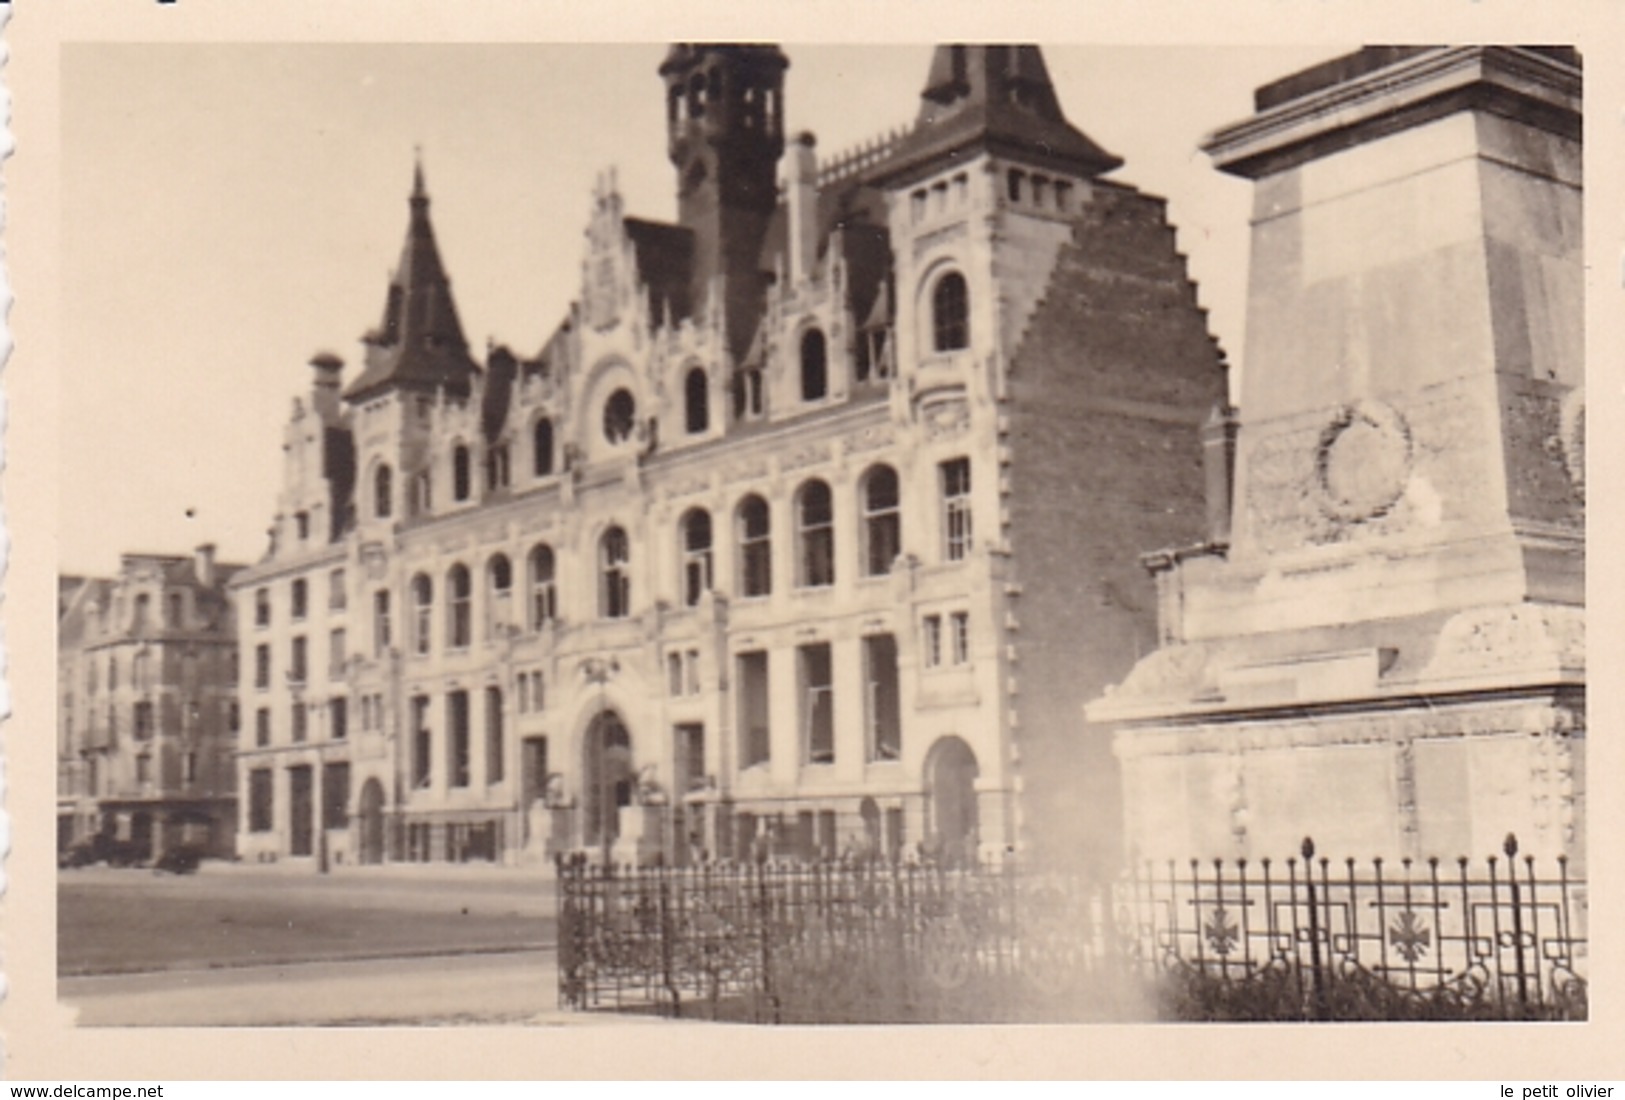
point(725, 133)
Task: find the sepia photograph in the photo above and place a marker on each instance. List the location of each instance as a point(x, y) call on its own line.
point(795, 538)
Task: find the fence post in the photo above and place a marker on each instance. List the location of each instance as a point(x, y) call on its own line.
point(1510, 847)
point(1317, 980)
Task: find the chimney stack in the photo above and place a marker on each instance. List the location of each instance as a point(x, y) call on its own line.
point(802, 188)
point(203, 565)
point(324, 390)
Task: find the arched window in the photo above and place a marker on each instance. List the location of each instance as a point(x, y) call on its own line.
point(814, 366)
point(543, 596)
point(422, 608)
point(755, 547)
point(815, 516)
point(459, 473)
point(499, 576)
point(950, 313)
point(882, 525)
point(459, 600)
point(696, 402)
point(696, 537)
point(383, 492)
point(542, 445)
point(614, 557)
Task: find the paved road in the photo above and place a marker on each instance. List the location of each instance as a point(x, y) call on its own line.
point(509, 987)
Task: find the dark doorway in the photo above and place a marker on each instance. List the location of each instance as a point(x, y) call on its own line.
point(372, 822)
point(301, 810)
point(610, 778)
point(950, 783)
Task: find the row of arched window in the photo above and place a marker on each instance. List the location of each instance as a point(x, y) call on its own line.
point(950, 331)
point(880, 539)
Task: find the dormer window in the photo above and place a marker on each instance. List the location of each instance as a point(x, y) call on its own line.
point(814, 366)
point(459, 473)
point(696, 402)
point(620, 416)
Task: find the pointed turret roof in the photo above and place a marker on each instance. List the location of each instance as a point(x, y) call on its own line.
point(995, 99)
point(420, 344)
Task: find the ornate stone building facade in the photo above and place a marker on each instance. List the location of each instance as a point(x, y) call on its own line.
point(809, 530)
point(1388, 650)
point(147, 726)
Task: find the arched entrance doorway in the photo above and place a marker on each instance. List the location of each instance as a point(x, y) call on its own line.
point(372, 822)
point(950, 788)
point(610, 779)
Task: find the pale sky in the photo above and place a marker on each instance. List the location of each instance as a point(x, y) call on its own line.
point(230, 210)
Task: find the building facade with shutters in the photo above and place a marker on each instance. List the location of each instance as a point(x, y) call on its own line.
point(808, 531)
point(147, 726)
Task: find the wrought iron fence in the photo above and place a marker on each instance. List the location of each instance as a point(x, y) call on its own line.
point(868, 942)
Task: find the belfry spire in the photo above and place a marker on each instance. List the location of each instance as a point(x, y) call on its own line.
point(420, 344)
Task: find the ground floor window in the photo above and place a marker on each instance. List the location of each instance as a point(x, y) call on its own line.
point(259, 800)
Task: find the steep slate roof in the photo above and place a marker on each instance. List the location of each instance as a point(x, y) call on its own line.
point(997, 99)
point(665, 259)
point(420, 344)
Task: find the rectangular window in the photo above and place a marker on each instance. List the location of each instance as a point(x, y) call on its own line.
point(189, 768)
point(234, 717)
point(259, 800)
point(338, 719)
point(143, 768)
point(335, 654)
point(143, 721)
point(931, 641)
point(674, 673)
point(883, 700)
point(262, 607)
point(335, 590)
point(336, 796)
point(959, 621)
point(956, 525)
point(262, 727)
point(538, 692)
point(493, 735)
point(300, 599)
point(818, 703)
point(296, 664)
point(301, 722)
point(691, 672)
point(177, 609)
point(755, 744)
point(457, 743)
point(262, 666)
point(422, 762)
point(380, 622)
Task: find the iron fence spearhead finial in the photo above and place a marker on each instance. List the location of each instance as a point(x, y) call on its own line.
point(1308, 848)
point(1510, 845)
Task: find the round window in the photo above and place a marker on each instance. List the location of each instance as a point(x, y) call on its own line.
point(619, 416)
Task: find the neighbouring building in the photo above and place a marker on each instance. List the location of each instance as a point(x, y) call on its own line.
point(1384, 648)
point(147, 723)
point(808, 531)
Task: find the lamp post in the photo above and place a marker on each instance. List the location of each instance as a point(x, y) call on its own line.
point(600, 671)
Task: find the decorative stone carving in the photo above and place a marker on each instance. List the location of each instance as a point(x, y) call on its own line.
point(1486, 639)
point(869, 439)
point(1571, 433)
point(746, 471)
point(945, 419)
point(805, 457)
point(1363, 461)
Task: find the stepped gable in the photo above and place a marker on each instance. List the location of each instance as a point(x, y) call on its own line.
point(1120, 293)
point(420, 343)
